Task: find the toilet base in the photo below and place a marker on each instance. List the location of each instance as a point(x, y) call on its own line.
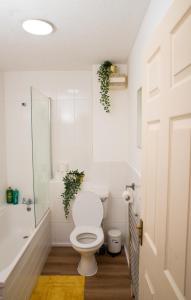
point(87, 265)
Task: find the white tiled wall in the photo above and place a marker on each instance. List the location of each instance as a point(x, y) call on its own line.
point(83, 135)
point(61, 227)
point(72, 125)
point(2, 142)
point(71, 118)
point(114, 176)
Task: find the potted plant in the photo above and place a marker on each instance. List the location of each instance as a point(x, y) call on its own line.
point(72, 184)
point(104, 72)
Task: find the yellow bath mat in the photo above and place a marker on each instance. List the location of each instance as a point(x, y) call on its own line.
point(58, 287)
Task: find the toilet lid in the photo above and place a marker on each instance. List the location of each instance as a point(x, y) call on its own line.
point(87, 210)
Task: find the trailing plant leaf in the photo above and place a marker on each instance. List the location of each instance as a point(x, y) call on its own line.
point(103, 77)
point(72, 183)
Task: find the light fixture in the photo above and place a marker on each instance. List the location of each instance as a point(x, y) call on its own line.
point(37, 27)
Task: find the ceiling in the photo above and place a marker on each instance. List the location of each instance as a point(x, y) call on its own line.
point(86, 32)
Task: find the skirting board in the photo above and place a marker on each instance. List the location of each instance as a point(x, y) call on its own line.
point(68, 244)
point(63, 244)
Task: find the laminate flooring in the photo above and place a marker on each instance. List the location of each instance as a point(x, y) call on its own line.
point(112, 281)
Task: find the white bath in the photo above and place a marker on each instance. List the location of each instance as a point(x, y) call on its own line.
point(23, 251)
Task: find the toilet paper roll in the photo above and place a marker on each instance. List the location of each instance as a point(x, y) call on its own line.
point(128, 195)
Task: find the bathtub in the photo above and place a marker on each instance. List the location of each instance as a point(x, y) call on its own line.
point(23, 251)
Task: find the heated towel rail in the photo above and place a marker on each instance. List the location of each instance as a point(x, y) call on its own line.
point(134, 241)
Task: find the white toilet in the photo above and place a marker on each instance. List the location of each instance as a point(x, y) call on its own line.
point(87, 236)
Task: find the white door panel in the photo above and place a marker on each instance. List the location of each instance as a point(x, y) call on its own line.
point(165, 262)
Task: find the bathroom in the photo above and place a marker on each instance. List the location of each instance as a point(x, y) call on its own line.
point(52, 122)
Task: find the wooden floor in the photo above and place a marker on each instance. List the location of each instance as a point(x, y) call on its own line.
point(110, 283)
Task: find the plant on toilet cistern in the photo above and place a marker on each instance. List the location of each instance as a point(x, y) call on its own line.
point(72, 184)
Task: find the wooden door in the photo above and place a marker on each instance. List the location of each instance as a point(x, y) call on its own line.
point(165, 259)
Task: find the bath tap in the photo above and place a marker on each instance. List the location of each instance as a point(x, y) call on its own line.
point(28, 203)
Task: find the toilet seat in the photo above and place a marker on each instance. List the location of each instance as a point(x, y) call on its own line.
point(97, 232)
point(87, 210)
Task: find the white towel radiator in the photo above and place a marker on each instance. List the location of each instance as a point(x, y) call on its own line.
point(135, 236)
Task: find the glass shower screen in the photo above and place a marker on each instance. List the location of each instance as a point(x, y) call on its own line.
point(41, 151)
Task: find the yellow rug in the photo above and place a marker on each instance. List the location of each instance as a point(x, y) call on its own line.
point(58, 287)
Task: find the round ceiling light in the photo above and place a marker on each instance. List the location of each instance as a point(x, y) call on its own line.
point(37, 27)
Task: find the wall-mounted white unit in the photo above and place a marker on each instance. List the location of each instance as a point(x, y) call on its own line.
point(118, 81)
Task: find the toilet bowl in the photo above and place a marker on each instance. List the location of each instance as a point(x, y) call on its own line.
point(87, 236)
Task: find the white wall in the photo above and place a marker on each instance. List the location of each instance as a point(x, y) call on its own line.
point(76, 119)
point(2, 142)
point(156, 11)
point(18, 134)
point(71, 115)
point(110, 142)
point(154, 15)
point(114, 175)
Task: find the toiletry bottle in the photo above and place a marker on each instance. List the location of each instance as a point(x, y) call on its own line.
point(9, 195)
point(15, 196)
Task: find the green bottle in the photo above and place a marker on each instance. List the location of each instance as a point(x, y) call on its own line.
point(15, 196)
point(9, 195)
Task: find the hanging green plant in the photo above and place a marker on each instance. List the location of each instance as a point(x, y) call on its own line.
point(72, 183)
point(104, 73)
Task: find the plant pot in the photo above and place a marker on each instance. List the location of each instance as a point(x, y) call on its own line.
point(113, 69)
point(81, 178)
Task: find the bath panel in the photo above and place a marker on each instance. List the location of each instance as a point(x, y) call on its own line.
point(19, 276)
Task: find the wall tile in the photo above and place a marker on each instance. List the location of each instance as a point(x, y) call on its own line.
point(117, 210)
point(61, 232)
point(60, 86)
point(76, 118)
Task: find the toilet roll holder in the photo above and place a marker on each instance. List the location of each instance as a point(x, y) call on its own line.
point(132, 186)
point(127, 194)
